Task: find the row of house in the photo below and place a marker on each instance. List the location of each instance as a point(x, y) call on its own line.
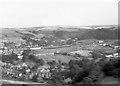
point(104, 44)
point(113, 55)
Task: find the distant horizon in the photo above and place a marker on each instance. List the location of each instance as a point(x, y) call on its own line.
point(61, 26)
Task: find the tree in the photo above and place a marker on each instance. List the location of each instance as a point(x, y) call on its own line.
point(108, 67)
point(25, 54)
point(116, 72)
point(9, 58)
point(96, 73)
point(14, 56)
point(32, 58)
point(112, 67)
point(88, 81)
point(74, 68)
point(40, 62)
point(59, 61)
point(34, 78)
point(73, 62)
point(52, 63)
point(79, 76)
point(93, 77)
point(86, 64)
point(57, 77)
point(96, 55)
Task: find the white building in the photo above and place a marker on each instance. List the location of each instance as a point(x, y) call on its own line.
point(36, 48)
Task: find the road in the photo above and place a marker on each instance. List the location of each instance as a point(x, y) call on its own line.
point(17, 82)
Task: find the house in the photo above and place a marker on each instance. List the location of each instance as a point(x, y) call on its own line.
point(63, 41)
point(28, 70)
point(104, 44)
point(45, 73)
point(20, 57)
point(116, 54)
point(36, 48)
point(116, 47)
point(68, 80)
point(101, 42)
point(109, 56)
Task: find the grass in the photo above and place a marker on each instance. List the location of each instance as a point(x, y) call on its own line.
point(109, 80)
point(64, 59)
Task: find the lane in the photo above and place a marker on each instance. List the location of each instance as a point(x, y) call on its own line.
point(18, 82)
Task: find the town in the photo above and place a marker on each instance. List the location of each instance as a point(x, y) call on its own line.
point(48, 59)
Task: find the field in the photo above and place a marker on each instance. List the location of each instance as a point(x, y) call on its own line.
point(110, 80)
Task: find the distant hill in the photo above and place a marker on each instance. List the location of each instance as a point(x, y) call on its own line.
point(15, 34)
point(102, 34)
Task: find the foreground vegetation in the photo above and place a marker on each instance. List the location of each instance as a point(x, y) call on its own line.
point(83, 71)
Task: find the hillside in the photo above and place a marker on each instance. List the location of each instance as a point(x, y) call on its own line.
point(58, 33)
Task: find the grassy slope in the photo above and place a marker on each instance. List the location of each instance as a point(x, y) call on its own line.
point(81, 33)
point(109, 80)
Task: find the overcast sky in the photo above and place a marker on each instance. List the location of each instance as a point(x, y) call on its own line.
point(33, 13)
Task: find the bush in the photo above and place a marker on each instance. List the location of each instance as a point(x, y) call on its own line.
point(40, 62)
point(87, 80)
point(112, 68)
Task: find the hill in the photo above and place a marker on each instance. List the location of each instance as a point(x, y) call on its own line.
point(58, 33)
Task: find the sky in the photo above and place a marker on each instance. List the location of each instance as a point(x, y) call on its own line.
point(35, 13)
